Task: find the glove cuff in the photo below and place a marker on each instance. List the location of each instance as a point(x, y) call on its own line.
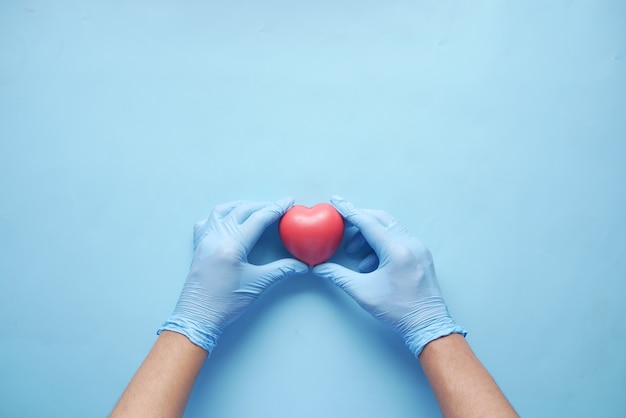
point(429, 321)
point(418, 340)
point(203, 339)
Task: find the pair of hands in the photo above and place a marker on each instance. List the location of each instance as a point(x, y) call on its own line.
point(396, 281)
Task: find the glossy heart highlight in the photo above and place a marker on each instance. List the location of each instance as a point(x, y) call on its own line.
point(311, 235)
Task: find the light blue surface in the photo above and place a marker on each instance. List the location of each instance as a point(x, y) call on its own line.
point(494, 131)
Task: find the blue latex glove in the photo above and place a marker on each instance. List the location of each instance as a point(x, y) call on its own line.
point(221, 283)
point(402, 290)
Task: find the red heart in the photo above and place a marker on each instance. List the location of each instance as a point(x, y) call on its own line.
point(312, 235)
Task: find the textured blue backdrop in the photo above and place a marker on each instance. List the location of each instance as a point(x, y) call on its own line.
point(494, 131)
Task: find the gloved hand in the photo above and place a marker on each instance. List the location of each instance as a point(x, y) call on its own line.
point(221, 283)
point(402, 291)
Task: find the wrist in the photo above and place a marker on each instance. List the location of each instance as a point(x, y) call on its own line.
point(203, 337)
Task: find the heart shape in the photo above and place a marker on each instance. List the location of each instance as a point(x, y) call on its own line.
point(311, 235)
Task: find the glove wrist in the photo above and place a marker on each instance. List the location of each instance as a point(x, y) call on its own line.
point(418, 340)
point(203, 339)
point(193, 318)
point(429, 321)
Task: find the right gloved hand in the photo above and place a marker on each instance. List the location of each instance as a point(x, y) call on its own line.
point(402, 291)
point(222, 283)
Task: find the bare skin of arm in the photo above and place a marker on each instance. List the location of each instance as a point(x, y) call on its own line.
point(462, 386)
point(163, 383)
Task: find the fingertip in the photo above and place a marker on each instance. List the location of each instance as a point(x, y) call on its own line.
point(343, 206)
point(285, 203)
point(279, 269)
point(299, 267)
point(323, 270)
point(339, 201)
point(330, 271)
point(336, 274)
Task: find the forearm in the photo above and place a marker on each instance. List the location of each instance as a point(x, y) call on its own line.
point(162, 385)
point(462, 386)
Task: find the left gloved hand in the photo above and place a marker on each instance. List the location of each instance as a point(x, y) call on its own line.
point(221, 283)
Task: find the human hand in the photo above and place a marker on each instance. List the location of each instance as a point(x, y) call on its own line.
point(221, 283)
point(402, 291)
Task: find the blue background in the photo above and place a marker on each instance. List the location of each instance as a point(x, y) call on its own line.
point(495, 131)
